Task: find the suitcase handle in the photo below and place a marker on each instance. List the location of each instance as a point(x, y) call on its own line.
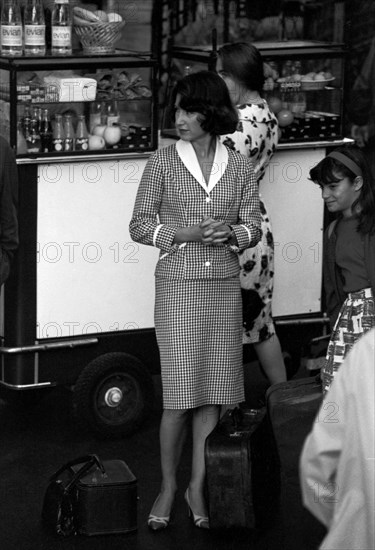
point(237, 418)
point(87, 461)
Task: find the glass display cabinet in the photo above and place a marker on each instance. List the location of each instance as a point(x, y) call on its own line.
point(304, 85)
point(117, 90)
point(81, 199)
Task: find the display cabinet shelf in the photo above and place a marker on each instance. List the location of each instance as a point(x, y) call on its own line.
point(128, 78)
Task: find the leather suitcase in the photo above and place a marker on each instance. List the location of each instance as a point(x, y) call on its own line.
point(292, 407)
point(242, 473)
point(107, 503)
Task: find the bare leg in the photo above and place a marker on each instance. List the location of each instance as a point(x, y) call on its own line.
point(271, 358)
point(204, 420)
point(172, 438)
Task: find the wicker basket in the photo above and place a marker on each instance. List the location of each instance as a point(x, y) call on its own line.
point(99, 37)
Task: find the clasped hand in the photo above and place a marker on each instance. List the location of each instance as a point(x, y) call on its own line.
point(214, 232)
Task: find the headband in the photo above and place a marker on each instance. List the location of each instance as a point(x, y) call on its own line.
point(346, 161)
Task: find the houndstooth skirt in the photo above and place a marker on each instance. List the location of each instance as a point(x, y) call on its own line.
point(357, 316)
point(199, 332)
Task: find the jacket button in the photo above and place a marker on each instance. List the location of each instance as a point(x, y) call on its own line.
point(207, 264)
point(208, 199)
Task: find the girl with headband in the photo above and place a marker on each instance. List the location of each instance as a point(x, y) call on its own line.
point(348, 251)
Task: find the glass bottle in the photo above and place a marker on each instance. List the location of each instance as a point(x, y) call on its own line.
point(95, 115)
point(61, 28)
point(11, 28)
point(34, 28)
point(58, 136)
point(21, 141)
point(82, 135)
point(113, 114)
point(33, 141)
point(37, 115)
point(46, 132)
point(69, 133)
point(26, 119)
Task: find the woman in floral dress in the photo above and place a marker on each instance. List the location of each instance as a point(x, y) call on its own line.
point(241, 67)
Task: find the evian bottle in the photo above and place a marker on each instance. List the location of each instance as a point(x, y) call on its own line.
point(34, 28)
point(61, 28)
point(11, 28)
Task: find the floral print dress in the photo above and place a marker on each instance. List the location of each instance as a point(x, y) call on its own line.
point(256, 137)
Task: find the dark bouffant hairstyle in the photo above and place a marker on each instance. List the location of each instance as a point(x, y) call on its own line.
point(330, 170)
point(206, 93)
point(243, 62)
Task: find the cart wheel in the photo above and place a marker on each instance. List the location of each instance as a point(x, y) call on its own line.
point(113, 395)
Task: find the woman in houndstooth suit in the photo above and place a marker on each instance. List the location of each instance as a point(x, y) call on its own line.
point(198, 203)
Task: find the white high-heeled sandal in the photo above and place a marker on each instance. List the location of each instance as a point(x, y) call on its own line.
point(157, 523)
point(199, 521)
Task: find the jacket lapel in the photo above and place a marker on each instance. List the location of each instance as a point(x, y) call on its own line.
point(188, 157)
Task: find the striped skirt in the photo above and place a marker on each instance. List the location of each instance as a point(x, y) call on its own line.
point(357, 316)
point(198, 327)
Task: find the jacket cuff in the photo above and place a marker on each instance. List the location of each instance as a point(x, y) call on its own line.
point(243, 236)
point(164, 236)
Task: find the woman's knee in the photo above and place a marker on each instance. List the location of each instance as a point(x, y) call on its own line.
point(175, 414)
point(207, 412)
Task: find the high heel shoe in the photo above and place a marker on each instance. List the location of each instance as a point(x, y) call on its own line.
point(199, 521)
point(157, 523)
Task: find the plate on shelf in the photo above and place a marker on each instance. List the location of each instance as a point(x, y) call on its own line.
point(315, 84)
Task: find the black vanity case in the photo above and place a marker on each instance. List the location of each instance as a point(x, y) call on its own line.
point(107, 502)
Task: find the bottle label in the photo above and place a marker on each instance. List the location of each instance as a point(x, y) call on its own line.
point(33, 144)
point(11, 35)
point(35, 35)
point(61, 37)
point(68, 144)
point(58, 144)
point(113, 119)
point(82, 144)
point(46, 140)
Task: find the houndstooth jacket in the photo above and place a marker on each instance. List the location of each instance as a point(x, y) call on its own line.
point(172, 194)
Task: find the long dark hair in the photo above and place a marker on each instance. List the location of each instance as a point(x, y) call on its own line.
point(243, 62)
point(206, 93)
point(330, 170)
